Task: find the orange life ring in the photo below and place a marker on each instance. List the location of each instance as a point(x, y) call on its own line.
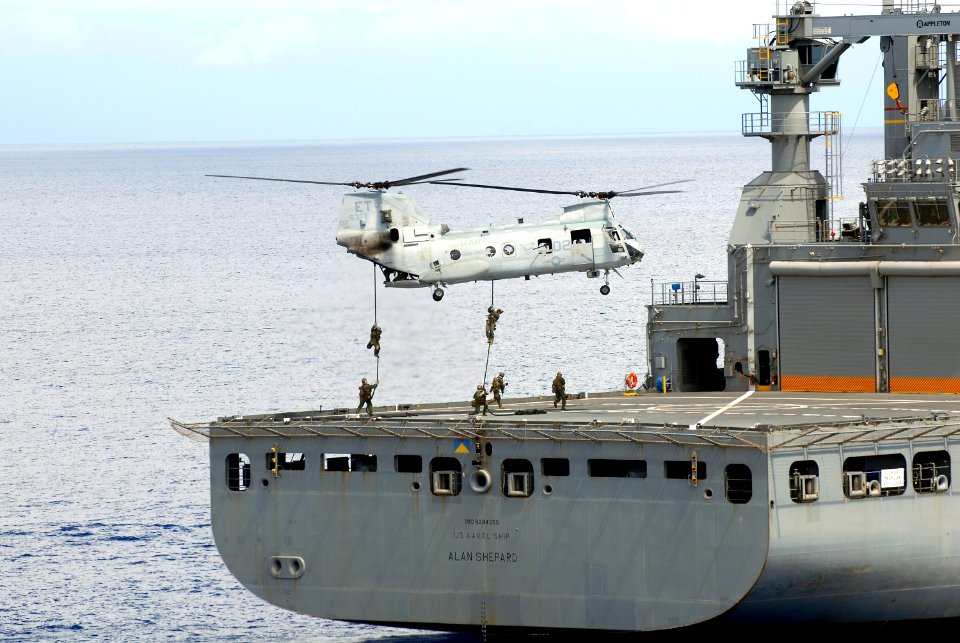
point(631, 380)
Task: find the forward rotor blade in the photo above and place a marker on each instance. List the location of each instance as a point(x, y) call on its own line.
point(648, 193)
point(658, 185)
point(578, 193)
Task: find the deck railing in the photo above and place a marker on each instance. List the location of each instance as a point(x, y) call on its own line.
point(698, 291)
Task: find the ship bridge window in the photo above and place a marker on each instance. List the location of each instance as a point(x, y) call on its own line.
point(349, 462)
point(684, 469)
point(874, 475)
point(285, 461)
point(892, 212)
point(517, 478)
point(804, 481)
point(580, 236)
point(446, 476)
point(555, 466)
point(932, 212)
point(238, 472)
point(738, 483)
point(931, 471)
point(408, 463)
point(599, 468)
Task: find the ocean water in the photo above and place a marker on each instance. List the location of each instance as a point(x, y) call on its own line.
point(133, 289)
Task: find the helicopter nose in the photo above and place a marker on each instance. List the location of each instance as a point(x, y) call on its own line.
point(635, 250)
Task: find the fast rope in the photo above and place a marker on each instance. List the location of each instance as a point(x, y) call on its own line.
point(489, 344)
point(375, 317)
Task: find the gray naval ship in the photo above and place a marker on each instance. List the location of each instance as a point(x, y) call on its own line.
point(768, 470)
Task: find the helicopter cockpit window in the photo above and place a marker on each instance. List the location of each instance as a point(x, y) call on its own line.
point(490, 250)
point(454, 254)
point(545, 245)
point(613, 234)
point(627, 234)
point(508, 249)
point(580, 236)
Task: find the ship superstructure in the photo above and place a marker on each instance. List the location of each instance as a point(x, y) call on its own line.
point(812, 303)
point(791, 460)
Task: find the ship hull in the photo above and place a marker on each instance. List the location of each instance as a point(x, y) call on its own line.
point(703, 524)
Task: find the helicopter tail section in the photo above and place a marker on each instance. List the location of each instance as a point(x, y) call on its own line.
point(372, 222)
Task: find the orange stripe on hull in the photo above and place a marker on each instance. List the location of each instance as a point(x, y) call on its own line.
point(828, 384)
point(924, 385)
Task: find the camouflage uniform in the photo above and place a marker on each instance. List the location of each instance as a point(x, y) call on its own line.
point(560, 391)
point(480, 399)
point(493, 316)
point(366, 396)
point(374, 342)
point(496, 387)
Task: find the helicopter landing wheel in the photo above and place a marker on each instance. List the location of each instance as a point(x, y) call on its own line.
point(438, 294)
point(604, 289)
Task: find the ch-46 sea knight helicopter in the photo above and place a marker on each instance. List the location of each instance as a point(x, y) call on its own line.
point(390, 229)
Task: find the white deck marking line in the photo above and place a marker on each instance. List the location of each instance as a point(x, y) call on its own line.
point(729, 406)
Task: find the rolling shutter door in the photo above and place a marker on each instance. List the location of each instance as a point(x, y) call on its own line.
point(922, 315)
point(827, 329)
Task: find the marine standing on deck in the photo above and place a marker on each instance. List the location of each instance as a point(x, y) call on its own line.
point(366, 396)
point(560, 391)
point(493, 316)
point(496, 387)
point(374, 342)
point(480, 399)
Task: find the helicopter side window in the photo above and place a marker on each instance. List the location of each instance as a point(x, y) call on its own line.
point(580, 236)
point(508, 249)
point(454, 254)
point(545, 245)
point(490, 250)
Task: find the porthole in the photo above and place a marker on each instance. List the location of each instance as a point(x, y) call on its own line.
point(454, 254)
point(547, 490)
point(490, 250)
point(708, 493)
point(264, 482)
point(508, 249)
point(415, 486)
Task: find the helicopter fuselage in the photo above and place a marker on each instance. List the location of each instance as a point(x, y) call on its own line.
point(390, 230)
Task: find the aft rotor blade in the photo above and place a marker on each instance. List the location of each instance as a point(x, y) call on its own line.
point(502, 187)
point(376, 185)
point(264, 178)
point(423, 177)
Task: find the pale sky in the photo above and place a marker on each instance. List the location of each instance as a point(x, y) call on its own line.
point(141, 71)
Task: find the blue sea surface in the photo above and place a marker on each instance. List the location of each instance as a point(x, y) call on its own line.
point(135, 289)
